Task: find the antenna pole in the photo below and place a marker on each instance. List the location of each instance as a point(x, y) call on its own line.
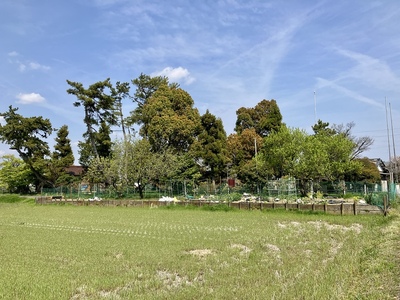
point(315, 107)
point(394, 146)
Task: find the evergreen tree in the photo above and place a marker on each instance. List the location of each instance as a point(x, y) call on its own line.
point(210, 148)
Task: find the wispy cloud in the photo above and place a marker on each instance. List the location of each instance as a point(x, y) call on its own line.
point(322, 83)
point(370, 71)
point(25, 65)
point(13, 53)
point(178, 74)
point(31, 98)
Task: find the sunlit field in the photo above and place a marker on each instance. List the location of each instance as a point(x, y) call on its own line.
point(69, 252)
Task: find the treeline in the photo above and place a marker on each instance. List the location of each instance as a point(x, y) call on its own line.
point(174, 142)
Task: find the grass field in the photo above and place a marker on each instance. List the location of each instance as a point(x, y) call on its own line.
point(69, 252)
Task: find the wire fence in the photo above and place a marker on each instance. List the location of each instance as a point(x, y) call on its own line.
point(273, 190)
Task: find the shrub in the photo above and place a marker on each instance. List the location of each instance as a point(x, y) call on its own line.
point(11, 198)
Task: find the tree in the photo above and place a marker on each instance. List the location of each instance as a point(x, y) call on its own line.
point(98, 107)
point(102, 171)
point(146, 86)
point(209, 149)
point(142, 166)
point(62, 157)
point(323, 128)
point(265, 118)
point(361, 144)
point(241, 153)
point(27, 137)
point(15, 175)
point(292, 152)
point(169, 120)
point(283, 149)
point(102, 142)
point(365, 172)
point(120, 92)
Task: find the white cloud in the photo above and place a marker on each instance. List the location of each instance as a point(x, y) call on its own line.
point(30, 98)
point(13, 53)
point(25, 65)
point(36, 66)
point(176, 74)
point(21, 66)
point(2, 122)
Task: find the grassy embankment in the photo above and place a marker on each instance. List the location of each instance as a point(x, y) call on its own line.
point(68, 252)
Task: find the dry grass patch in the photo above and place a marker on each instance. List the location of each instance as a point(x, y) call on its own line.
point(200, 252)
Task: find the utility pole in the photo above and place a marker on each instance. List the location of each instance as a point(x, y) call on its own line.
point(390, 154)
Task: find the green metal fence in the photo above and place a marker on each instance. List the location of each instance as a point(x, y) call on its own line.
point(288, 189)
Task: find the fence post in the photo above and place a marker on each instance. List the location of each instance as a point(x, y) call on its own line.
point(385, 205)
point(355, 208)
point(341, 208)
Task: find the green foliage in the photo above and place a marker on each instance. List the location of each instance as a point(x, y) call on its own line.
point(231, 197)
point(292, 152)
point(62, 149)
point(241, 151)
point(283, 149)
point(27, 135)
point(11, 198)
point(133, 163)
point(323, 128)
point(365, 171)
point(169, 120)
point(15, 175)
point(99, 108)
point(375, 198)
point(61, 158)
point(209, 150)
point(218, 207)
point(265, 118)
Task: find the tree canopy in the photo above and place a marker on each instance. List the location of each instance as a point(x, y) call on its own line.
point(169, 119)
point(175, 141)
point(265, 118)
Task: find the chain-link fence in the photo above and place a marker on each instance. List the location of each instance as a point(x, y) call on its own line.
point(231, 190)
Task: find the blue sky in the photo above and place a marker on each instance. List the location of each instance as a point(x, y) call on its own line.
point(227, 54)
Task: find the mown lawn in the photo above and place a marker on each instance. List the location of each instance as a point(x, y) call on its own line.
point(68, 252)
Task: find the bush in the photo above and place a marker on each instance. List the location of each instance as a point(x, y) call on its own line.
point(231, 197)
point(217, 207)
point(11, 198)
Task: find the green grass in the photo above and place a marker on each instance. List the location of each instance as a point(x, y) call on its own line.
point(14, 198)
point(69, 252)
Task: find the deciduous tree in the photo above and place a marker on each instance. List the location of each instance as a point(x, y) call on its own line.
point(15, 175)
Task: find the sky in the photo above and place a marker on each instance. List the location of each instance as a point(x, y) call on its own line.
point(338, 61)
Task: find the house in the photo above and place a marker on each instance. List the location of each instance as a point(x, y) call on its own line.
point(75, 170)
point(382, 168)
